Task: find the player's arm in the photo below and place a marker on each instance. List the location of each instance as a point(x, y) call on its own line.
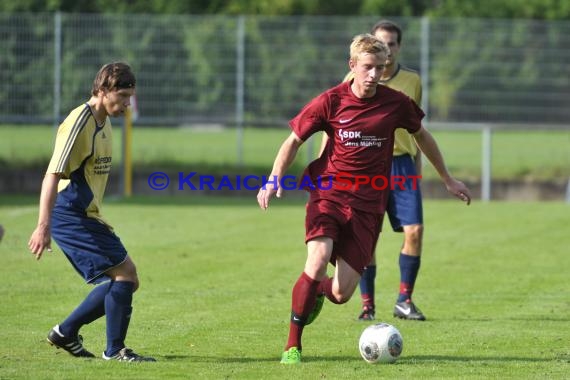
point(324, 142)
point(325, 138)
point(418, 162)
point(429, 147)
point(283, 161)
point(41, 237)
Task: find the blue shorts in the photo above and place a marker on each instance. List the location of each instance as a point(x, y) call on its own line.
point(404, 202)
point(90, 246)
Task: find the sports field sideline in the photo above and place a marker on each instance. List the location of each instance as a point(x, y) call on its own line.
point(217, 150)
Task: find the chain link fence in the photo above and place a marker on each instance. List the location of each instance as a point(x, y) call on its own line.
point(258, 71)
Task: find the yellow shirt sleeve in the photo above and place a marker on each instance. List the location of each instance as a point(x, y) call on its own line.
point(65, 158)
point(408, 82)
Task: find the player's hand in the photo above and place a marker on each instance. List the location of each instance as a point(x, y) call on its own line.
point(267, 191)
point(40, 241)
point(458, 189)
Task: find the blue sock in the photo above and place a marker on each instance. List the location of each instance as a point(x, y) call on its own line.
point(92, 308)
point(118, 311)
point(367, 285)
point(409, 268)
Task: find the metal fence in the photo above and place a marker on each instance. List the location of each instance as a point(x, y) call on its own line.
point(259, 71)
point(256, 71)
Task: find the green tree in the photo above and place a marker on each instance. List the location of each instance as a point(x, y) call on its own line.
point(529, 9)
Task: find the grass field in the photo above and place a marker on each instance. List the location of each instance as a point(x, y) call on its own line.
point(524, 154)
point(216, 276)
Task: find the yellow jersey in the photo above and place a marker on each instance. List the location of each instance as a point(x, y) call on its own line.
point(409, 82)
point(82, 156)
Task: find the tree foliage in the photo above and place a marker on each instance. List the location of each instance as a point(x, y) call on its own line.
point(529, 9)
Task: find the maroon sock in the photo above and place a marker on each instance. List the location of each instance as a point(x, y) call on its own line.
point(304, 296)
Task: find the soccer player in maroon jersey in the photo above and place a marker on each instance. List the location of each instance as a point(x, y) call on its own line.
point(343, 222)
point(405, 208)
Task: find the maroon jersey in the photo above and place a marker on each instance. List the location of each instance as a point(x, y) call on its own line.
point(360, 146)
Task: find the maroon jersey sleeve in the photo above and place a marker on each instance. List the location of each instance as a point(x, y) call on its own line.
point(411, 116)
point(313, 117)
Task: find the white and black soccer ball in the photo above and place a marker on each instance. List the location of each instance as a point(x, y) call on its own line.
point(380, 343)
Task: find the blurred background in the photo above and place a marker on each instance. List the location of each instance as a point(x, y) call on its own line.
point(496, 79)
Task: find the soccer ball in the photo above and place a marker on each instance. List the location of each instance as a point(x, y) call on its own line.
point(380, 343)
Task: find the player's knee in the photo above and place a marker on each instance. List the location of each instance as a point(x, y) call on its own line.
point(316, 269)
point(130, 271)
point(134, 278)
point(136, 284)
point(127, 271)
point(415, 233)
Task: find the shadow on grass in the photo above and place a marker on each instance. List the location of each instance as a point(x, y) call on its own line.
point(494, 319)
point(299, 198)
point(214, 359)
point(407, 360)
point(471, 359)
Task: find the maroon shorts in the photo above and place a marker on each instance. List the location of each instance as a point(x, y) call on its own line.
point(354, 232)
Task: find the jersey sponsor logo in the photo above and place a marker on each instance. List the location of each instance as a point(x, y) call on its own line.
point(344, 121)
point(103, 160)
point(357, 139)
point(349, 134)
point(102, 165)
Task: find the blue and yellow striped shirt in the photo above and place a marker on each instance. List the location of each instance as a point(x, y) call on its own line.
point(83, 157)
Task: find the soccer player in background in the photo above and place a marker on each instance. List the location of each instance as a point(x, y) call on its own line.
point(404, 208)
point(70, 212)
point(343, 222)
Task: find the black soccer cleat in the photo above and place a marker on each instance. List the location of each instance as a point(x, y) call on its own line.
point(73, 345)
point(128, 355)
point(407, 310)
point(367, 313)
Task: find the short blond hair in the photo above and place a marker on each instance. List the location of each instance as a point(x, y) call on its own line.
point(367, 43)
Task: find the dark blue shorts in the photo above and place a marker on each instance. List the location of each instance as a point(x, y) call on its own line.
point(90, 246)
point(404, 202)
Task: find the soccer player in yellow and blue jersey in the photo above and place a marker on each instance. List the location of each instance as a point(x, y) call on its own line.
point(404, 204)
point(70, 212)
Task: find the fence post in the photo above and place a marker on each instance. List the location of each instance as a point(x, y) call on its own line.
point(486, 164)
point(127, 153)
point(424, 65)
point(240, 68)
point(56, 68)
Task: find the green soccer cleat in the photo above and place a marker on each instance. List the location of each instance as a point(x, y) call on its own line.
point(316, 310)
point(291, 356)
